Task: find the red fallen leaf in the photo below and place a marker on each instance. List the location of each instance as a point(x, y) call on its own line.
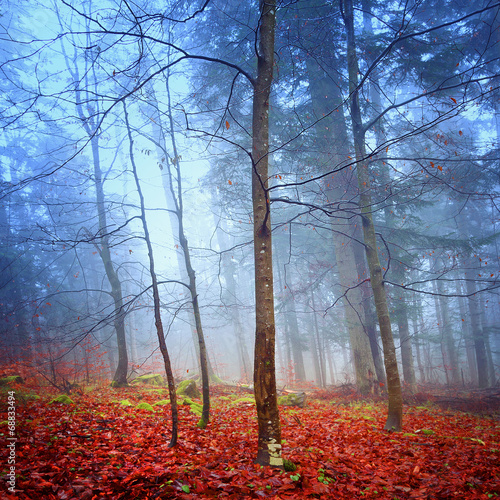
point(320, 488)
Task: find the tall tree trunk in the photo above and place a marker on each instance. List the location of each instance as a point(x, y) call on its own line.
point(269, 439)
point(341, 189)
point(477, 334)
point(319, 343)
point(451, 348)
point(406, 347)
point(486, 336)
point(120, 377)
point(395, 410)
point(92, 130)
point(467, 336)
point(228, 270)
point(174, 202)
point(205, 382)
point(416, 318)
point(439, 320)
point(156, 296)
point(295, 338)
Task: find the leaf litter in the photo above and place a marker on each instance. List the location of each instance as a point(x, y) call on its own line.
point(99, 449)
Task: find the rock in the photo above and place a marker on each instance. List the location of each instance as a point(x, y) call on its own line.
point(151, 379)
point(189, 388)
point(250, 400)
point(63, 399)
point(293, 399)
point(144, 406)
point(163, 402)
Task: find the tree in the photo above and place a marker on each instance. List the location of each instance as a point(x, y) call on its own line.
point(269, 440)
point(156, 294)
point(395, 410)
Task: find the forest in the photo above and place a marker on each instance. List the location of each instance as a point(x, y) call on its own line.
point(250, 249)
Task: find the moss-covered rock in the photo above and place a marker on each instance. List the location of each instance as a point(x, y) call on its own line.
point(189, 388)
point(145, 406)
point(249, 399)
point(298, 399)
point(12, 379)
point(151, 379)
point(62, 399)
point(163, 402)
point(117, 385)
point(196, 408)
point(126, 402)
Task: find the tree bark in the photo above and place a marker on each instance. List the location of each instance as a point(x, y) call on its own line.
point(477, 334)
point(205, 381)
point(120, 377)
point(269, 439)
point(395, 410)
point(156, 297)
point(341, 189)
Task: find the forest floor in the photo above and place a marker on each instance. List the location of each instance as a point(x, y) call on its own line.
point(98, 448)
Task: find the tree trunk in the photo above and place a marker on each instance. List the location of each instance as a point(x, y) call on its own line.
point(156, 297)
point(120, 377)
point(228, 270)
point(295, 338)
point(477, 334)
point(102, 239)
point(319, 344)
point(174, 206)
point(395, 410)
point(467, 336)
point(205, 382)
point(340, 189)
point(269, 439)
point(448, 335)
point(406, 347)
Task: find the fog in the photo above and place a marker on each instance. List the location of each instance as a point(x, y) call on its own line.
point(94, 93)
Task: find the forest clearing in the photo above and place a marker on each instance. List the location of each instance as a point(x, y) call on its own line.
point(104, 446)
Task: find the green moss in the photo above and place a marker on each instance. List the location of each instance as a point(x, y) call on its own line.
point(293, 400)
point(289, 466)
point(367, 417)
point(215, 380)
point(225, 398)
point(12, 379)
point(145, 406)
point(202, 423)
point(152, 379)
point(117, 385)
point(427, 432)
point(245, 400)
point(182, 385)
point(188, 388)
point(126, 402)
point(62, 399)
point(163, 402)
point(196, 408)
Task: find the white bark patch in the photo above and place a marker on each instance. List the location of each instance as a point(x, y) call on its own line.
point(275, 453)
